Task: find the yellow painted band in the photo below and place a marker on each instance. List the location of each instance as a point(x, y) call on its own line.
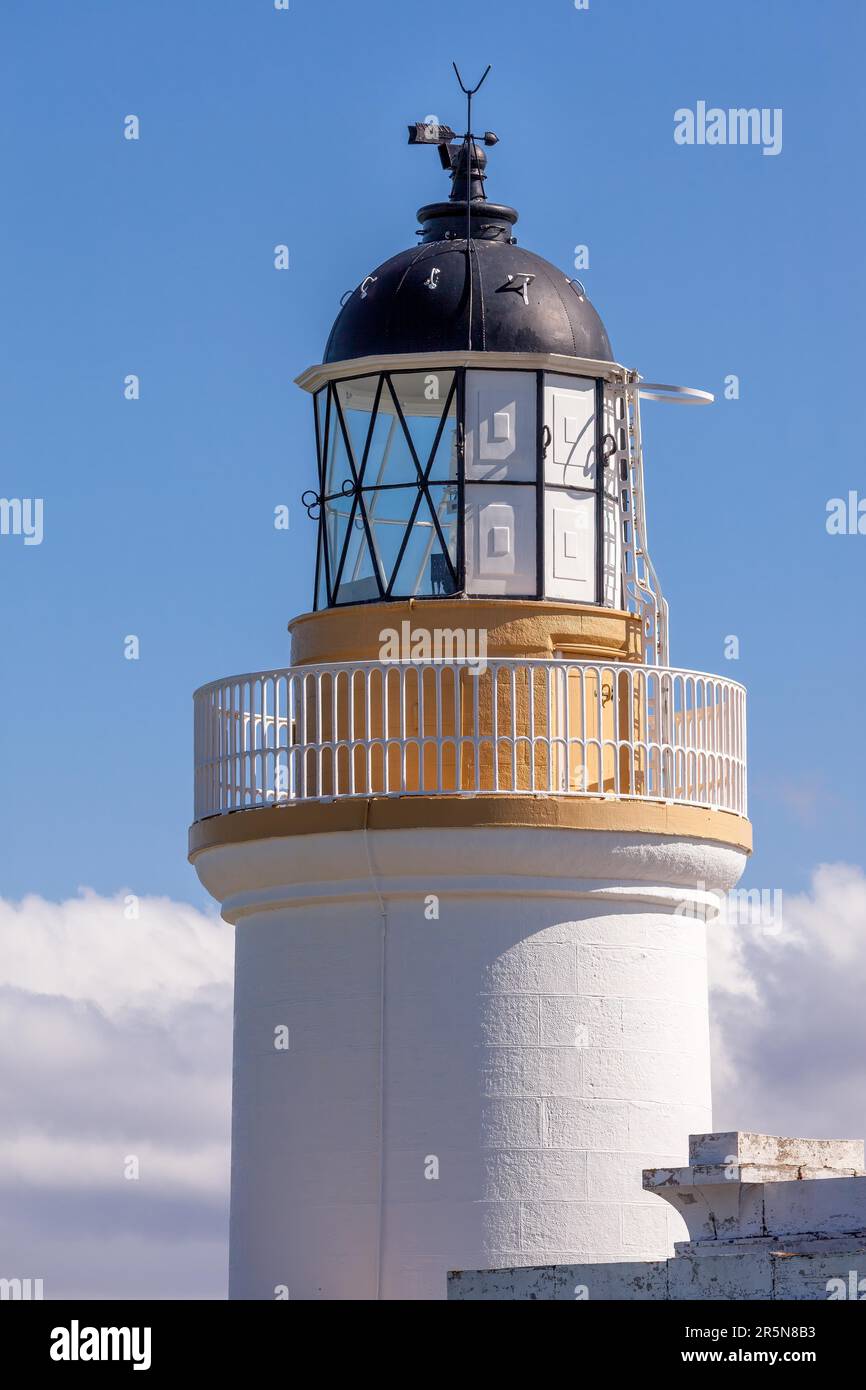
point(459, 812)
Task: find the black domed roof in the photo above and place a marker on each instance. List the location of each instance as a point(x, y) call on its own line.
point(521, 303)
point(422, 300)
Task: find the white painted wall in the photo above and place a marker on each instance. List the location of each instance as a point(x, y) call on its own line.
point(770, 1218)
point(545, 1040)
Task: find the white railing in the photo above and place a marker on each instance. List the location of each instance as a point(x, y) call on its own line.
point(590, 729)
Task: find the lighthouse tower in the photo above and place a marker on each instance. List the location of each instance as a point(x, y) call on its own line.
point(469, 836)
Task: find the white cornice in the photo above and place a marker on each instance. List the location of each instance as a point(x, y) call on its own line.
point(317, 376)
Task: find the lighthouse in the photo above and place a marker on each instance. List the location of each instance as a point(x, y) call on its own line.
point(469, 835)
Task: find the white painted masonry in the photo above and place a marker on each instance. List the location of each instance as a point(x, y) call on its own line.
point(544, 1039)
point(769, 1218)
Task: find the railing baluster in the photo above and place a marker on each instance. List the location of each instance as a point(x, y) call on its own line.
point(512, 670)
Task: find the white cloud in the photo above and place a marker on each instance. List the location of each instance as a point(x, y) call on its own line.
point(87, 949)
point(118, 1033)
point(789, 1022)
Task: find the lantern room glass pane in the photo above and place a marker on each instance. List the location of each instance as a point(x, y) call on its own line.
point(350, 548)
point(424, 570)
point(357, 399)
point(320, 405)
point(391, 464)
point(388, 512)
point(422, 398)
point(338, 513)
point(338, 469)
point(320, 597)
point(358, 580)
point(406, 415)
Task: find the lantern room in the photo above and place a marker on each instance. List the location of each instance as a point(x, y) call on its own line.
point(466, 422)
point(475, 436)
point(451, 479)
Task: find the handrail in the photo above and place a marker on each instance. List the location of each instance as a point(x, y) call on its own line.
point(556, 727)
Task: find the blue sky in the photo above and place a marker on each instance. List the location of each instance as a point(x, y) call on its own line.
point(155, 257)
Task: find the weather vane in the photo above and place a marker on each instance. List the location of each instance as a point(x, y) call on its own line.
point(431, 133)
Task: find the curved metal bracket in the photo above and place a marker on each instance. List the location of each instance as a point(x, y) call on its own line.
point(311, 506)
point(677, 395)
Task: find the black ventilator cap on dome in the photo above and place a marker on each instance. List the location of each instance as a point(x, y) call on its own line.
point(447, 221)
point(437, 298)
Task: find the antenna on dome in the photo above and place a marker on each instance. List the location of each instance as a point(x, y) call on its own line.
point(470, 93)
point(468, 151)
point(468, 141)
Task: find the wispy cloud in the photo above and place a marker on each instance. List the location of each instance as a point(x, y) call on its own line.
point(120, 1030)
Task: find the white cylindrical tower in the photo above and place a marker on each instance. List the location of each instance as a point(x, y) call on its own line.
point(469, 836)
